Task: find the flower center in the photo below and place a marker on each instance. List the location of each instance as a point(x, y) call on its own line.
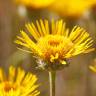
point(8, 86)
point(53, 42)
point(54, 46)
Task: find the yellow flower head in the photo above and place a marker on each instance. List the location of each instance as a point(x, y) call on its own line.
point(93, 67)
point(35, 3)
point(56, 44)
point(71, 8)
point(17, 83)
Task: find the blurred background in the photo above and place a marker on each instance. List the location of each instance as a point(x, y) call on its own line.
point(74, 80)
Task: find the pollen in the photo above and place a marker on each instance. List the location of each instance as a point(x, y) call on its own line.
point(53, 47)
point(8, 86)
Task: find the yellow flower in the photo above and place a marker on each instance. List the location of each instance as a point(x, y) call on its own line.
point(56, 44)
point(93, 68)
point(35, 3)
point(73, 8)
point(17, 83)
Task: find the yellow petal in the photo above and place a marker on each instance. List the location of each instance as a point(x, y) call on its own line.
point(93, 68)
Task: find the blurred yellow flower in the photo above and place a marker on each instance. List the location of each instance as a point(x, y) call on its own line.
point(93, 68)
point(55, 44)
point(72, 7)
point(17, 83)
point(35, 3)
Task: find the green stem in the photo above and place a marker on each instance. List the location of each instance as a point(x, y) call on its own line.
point(52, 76)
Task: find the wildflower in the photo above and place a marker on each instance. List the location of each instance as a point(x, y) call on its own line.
point(72, 8)
point(17, 83)
point(34, 3)
point(93, 67)
point(53, 46)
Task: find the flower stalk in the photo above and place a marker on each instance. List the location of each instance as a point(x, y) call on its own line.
point(52, 78)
